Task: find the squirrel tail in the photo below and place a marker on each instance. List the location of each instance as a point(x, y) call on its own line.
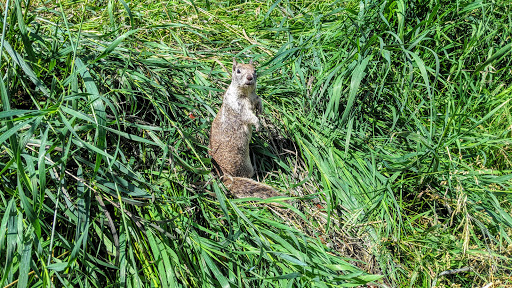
point(242, 187)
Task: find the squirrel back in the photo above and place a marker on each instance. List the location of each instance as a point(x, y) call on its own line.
point(231, 133)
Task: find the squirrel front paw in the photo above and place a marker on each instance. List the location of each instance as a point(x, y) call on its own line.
point(257, 125)
point(253, 120)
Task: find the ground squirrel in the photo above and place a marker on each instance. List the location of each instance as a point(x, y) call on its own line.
point(231, 133)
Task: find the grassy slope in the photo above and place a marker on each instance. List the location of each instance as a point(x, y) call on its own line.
point(391, 122)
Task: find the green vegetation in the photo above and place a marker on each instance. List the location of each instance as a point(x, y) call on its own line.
point(387, 122)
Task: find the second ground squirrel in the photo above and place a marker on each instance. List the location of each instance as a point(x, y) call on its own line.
point(231, 133)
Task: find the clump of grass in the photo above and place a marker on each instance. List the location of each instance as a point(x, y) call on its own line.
point(408, 117)
point(385, 119)
point(105, 162)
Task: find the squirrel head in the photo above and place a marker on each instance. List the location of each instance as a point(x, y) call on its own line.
point(244, 75)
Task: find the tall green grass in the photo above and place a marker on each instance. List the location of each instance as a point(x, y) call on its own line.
point(388, 121)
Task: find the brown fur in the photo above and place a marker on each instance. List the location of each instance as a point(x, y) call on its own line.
point(231, 133)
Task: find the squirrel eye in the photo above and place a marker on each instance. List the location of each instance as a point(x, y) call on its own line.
point(238, 71)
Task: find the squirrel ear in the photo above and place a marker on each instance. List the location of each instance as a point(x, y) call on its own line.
point(234, 63)
point(250, 61)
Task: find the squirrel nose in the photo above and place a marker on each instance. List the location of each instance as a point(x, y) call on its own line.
point(249, 77)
